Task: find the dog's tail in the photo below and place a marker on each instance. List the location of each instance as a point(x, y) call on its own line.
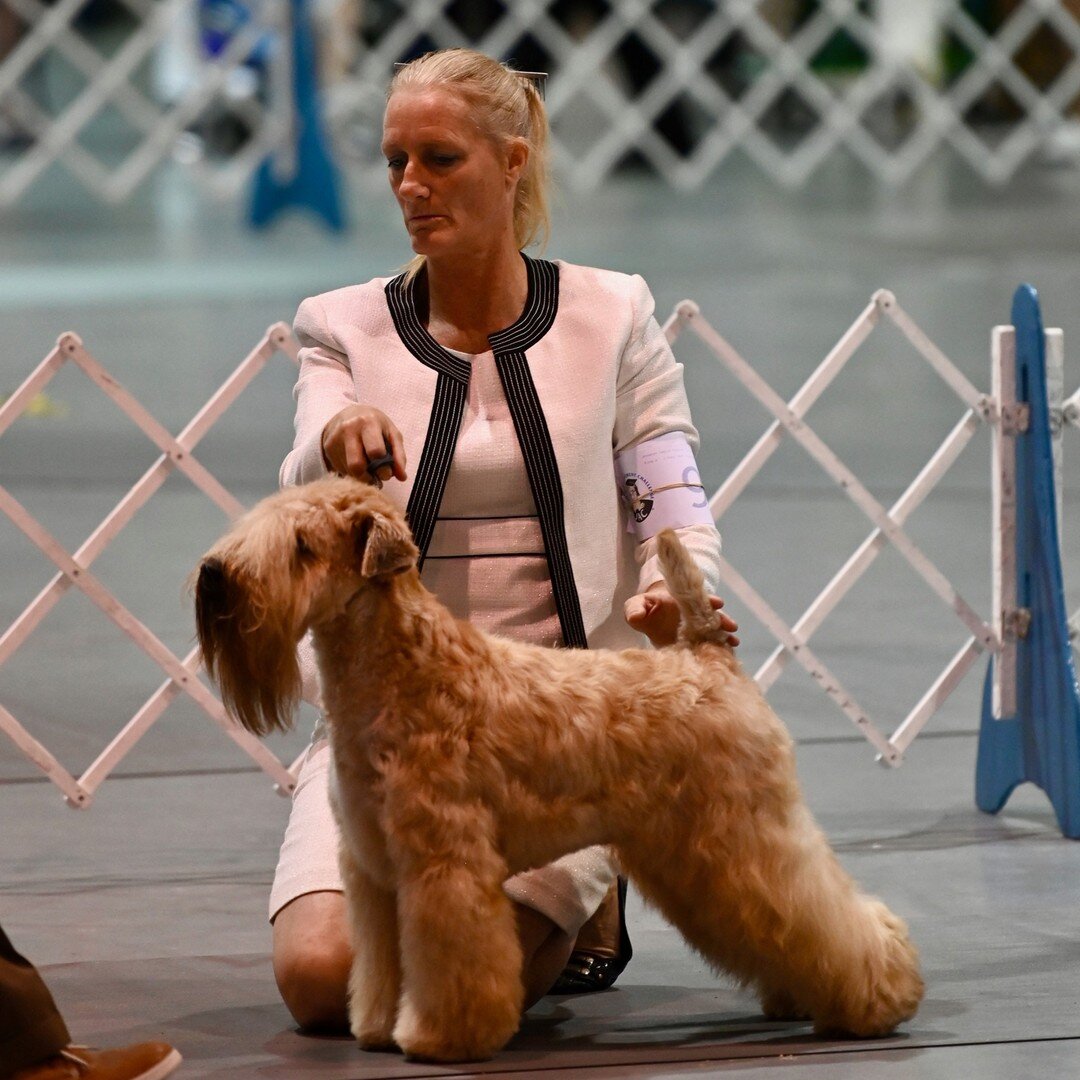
point(686, 583)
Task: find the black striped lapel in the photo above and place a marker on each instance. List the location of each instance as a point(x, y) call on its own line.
point(451, 393)
point(534, 436)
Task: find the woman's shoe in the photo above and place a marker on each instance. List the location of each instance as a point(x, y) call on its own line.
point(603, 948)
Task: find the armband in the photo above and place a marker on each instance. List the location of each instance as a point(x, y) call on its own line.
point(661, 487)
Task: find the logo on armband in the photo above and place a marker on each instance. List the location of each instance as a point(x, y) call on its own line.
point(641, 503)
point(659, 483)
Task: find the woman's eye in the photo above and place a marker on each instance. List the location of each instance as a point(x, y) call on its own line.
point(394, 163)
point(444, 159)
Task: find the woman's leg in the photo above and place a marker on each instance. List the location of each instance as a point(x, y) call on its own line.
point(545, 949)
point(312, 953)
point(312, 958)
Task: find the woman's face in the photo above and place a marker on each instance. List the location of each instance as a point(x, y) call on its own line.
point(454, 185)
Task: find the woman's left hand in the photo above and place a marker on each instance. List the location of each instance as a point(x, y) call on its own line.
point(655, 614)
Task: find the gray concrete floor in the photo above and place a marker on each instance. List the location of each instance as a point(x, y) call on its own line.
point(147, 911)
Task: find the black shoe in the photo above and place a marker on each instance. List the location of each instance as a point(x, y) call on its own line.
point(587, 972)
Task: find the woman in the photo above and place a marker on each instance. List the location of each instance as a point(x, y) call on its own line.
point(494, 390)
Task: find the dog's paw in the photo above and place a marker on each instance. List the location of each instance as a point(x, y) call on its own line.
point(446, 1051)
point(377, 1042)
point(452, 1044)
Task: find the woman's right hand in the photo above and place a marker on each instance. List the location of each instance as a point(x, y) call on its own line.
point(360, 434)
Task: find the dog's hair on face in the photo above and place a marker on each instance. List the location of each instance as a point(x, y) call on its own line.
point(259, 588)
point(461, 758)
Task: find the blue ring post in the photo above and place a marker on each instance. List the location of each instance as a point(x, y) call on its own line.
point(315, 183)
point(1041, 743)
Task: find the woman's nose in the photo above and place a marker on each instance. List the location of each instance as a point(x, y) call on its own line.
point(413, 182)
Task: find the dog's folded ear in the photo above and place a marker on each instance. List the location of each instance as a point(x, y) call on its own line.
point(387, 547)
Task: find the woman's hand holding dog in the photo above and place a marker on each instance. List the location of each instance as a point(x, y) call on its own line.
point(655, 614)
point(360, 434)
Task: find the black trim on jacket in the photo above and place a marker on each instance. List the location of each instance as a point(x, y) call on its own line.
point(451, 392)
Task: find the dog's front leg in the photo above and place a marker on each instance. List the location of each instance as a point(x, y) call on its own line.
point(461, 959)
point(375, 978)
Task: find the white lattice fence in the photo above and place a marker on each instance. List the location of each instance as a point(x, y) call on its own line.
point(680, 84)
point(998, 634)
point(89, 101)
point(73, 569)
point(793, 642)
point(685, 84)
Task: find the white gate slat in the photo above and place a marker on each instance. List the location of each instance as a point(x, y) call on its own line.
point(935, 696)
point(31, 386)
point(43, 758)
point(1003, 538)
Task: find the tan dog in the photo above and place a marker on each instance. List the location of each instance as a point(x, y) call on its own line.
point(461, 758)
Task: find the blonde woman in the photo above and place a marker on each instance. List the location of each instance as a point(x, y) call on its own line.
point(491, 392)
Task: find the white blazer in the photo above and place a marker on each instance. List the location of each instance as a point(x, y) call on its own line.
point(587, 373)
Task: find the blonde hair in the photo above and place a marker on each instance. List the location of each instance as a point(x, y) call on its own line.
point(506, 106)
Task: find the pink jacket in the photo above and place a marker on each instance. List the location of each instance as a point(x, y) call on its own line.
point(587, 372)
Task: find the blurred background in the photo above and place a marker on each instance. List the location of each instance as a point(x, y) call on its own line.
point(176, 175)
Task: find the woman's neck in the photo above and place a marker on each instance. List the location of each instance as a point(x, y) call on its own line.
point(468, 299)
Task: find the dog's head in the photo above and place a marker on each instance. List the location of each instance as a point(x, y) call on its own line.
point(294, 561)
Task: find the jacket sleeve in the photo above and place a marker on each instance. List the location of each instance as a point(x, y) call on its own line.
point(324, 387)
point(651, 401)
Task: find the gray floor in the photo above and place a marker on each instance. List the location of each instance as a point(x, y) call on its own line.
point(147, 911)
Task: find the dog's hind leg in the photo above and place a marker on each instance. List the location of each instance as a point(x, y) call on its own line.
point(375, 977)
point(461, 959)
point(769, 903)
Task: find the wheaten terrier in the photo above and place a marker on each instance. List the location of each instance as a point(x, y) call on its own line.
point(461, 758)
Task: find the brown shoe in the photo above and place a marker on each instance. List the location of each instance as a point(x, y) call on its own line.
point(140, 1061)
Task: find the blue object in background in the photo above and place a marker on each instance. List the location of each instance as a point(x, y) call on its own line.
point(314, 180)
point(221, 20)
point(1041, 744)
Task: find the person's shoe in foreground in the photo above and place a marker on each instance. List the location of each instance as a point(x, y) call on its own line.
point(140, 1061)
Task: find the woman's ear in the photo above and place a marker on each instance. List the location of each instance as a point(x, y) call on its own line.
point(517, 157)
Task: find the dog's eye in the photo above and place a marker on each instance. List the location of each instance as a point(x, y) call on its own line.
point(303, 549)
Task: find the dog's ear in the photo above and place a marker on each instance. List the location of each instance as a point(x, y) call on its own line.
point(214, 607)
point(387, 547)
point(248, 635)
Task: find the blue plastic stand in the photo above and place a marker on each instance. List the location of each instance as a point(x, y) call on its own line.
point(1042, 742)
point(314, 183)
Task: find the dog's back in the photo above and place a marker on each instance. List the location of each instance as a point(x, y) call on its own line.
point(686, 583)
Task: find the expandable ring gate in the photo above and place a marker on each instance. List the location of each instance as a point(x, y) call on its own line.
point(998, 409)
point(74, 569)
point(999, 635)
point(724, 75)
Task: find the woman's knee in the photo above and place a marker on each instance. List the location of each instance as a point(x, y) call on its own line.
point(312, 958)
